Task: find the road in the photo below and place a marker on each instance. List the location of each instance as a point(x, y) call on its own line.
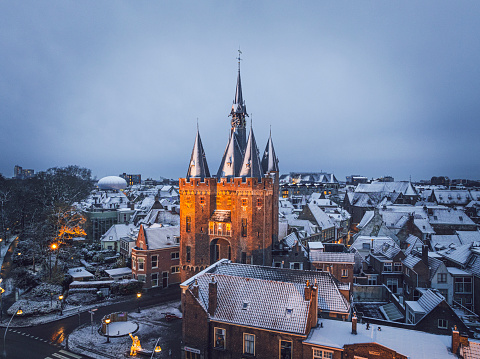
point(42, 341)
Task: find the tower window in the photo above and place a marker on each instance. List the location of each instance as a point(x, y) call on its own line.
point(229, 201)
point(259, 202)
point(188, 223)
point(188, 255)
point(244, 227)
point(202, 200)
point(244, 202)
point(219, 201)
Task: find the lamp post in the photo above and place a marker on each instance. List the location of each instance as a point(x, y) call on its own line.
point(60, 300)
point(107, 322)
point(91, 316)
point(52, 247)
point(18, 312)
point(157, 349)
point(1, 301)
point(139, 295)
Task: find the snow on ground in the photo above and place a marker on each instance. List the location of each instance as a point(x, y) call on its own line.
point(122, 328)
point(152, 326)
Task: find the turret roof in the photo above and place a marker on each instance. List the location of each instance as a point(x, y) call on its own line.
point(198, 166)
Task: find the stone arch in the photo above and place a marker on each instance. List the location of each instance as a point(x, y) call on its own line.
point(220, 248)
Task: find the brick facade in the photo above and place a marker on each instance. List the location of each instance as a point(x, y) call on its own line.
point(244, 236)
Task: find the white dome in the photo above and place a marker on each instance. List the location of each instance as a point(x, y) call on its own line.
point(112, 182)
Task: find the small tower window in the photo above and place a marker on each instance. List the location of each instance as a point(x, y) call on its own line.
point(188, 223)
point(244, 202)
point(244, 227)
point(259, 202)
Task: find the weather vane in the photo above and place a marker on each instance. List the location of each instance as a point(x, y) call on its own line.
point(239, 58)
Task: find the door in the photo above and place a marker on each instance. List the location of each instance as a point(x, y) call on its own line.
point(165, 279)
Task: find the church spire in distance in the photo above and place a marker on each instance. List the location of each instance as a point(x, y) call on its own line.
point(269, 160)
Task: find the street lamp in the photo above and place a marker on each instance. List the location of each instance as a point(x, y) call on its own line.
point(139, 295)
point(157, 349)
point(53, 246)
point(1, 301)
point(60, 300)
point(18, 312)
point(107, 322)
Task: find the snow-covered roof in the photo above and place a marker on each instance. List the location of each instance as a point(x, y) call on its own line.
point(449, 216)
point(458, 254)
point(116, 232)
point(322, 219)
point(331, 257)
point(315, 245)
point(116, 272)
point(411, 343)
point(158, 237)
point(273, 305)
point(80, 272)
point(329, 297)
point(292, 240)
point(452, 197)
point(456, 271)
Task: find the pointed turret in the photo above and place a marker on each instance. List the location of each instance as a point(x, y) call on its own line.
point(232, 159)
point(269, 160)
point(198, 167)
point(251, 166)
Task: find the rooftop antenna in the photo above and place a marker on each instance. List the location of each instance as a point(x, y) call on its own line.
point(197, 123)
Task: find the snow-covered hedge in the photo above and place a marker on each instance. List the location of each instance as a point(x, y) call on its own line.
point(30, 307)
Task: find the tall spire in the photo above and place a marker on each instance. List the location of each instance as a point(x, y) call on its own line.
point(239, 111)
point(251, 166)
point(269, 160)
point(198, 166)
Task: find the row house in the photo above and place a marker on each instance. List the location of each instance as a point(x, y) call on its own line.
point(155, 257)
point(386, 261)
point(340, 265)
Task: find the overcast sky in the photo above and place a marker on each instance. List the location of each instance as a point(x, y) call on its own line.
point(359, 87)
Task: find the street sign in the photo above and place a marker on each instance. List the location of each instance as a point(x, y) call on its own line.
point(192, 350)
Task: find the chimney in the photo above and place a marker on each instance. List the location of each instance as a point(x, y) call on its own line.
point(455, 340)
point(195, 289)
point(425, 254)
point(354, 323)
point(308, 291)
point(314, 304)
point(212, 296)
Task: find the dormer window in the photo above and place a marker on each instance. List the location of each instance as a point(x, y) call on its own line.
point(245, 305)
point(460, 218)
point(288, 312)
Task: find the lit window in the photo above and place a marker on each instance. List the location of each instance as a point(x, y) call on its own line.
point(175, 269)
point(244, 227)
point(344, 272)
point(219, 338)
point(188, 223)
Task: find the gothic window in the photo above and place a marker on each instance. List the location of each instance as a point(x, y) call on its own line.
point(188, 223)
point(202, 200)
point(259, 202)
point(188, 254)
point(244, 227)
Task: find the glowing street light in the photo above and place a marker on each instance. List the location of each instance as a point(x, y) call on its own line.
point(107, 322)
point(157, 349)
point(60, 300)
point(139, 295)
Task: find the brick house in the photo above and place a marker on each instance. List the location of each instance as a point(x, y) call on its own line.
point(340, 265)
point(155, 257)
point(386, 260)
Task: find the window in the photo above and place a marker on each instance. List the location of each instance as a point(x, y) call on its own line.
point(372, 280)
point(190, 355)
point(175, 255)
point(244, 258)
point(397, 267)
point(175, 269)
point(229, 201)
point(202, 200)
point(285, 349)
point(366, 246)
point(188, 223)
point(154, 279)
point(463, 285)
point(443, 324)
point(259, 202)
point(407, 271)
point(217, 252)
point(411, 317)
point(244, 202)
point(134, 263)
point(248, 344)
point(228, 229)
point(387, 267)
point(141, 263)
point(211, 228)
point(188, 254)
point(219, 201)
point(344, 272)
point(244, 227)
point(219, 338)
point(154, 261)
point(392, 284)
point(442, 277)
point(296, 265)
point(141, 278)
point(322, 354)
